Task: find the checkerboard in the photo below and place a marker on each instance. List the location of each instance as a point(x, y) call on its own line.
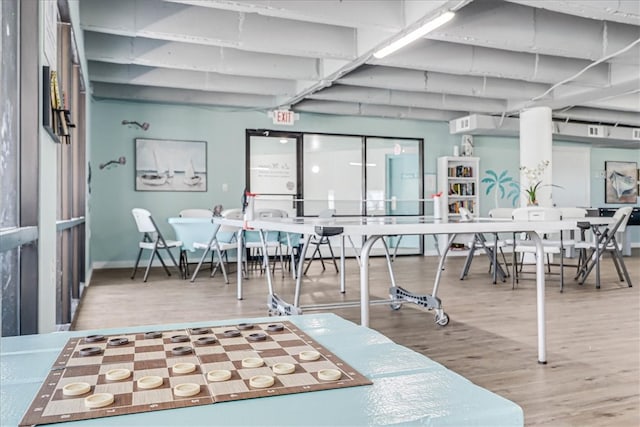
point(88, 359)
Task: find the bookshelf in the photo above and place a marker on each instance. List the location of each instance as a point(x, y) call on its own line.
point(458, 180)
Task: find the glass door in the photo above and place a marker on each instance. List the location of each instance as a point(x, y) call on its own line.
point(272, 172)
point(394, 185)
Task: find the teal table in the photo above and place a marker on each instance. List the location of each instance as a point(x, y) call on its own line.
point(408, 388)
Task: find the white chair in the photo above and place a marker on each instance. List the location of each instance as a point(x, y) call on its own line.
point(549, 246)
point(196, 213)
point(153, 240)
point(506, 214)
point(199, 234)
point(318, 241)
point(478, 242)
point(590, 252)
point(501, 213)
point(570, 243)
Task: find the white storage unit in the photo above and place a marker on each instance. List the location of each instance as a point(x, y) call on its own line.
point(458, 180)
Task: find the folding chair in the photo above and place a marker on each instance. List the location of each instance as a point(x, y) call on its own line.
point(322, 240)
point(549, 246)
point(478, 242)
point(605, 241)
point(196, 235)
point(152, 240)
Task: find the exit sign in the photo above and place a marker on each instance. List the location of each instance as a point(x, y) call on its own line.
point(283, 117)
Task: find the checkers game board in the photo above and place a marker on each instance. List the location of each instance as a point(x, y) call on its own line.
point(158, 354)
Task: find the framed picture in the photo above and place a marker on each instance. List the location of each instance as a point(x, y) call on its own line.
point(620, 182)
point(48, 98)
point(171, 165)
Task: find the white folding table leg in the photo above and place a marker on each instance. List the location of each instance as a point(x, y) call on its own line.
point(542, 346)
point(300, 273)
point(364, 279)
point(343, 287)
point(239, 255)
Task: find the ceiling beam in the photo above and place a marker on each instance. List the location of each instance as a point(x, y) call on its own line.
point(188, 56)
point(189, 24)
point(622, 11)
point(533, 30)
point(454, 58)
point(410, 99)
point(421, 81)
point(180, 96)
point(355, 109)
point(196, 80)
point(567, 96)
point(381, 14)
point(594, 115)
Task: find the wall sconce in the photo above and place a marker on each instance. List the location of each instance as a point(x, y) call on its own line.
point(143, 126)
point(120, 161)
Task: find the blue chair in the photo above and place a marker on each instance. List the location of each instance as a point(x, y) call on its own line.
point(199, 234)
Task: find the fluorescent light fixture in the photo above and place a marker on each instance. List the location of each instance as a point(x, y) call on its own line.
point(284, 141)
point(360, 164)
point(415, 34)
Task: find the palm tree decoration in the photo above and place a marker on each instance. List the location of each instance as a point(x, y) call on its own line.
point(500, 183)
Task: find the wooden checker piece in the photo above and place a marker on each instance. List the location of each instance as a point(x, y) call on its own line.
point(94, 338)
point(115, 342)
point(275, 327)
point(181, 350)
point(278, 346)
point(179, 338)
point(258, 336)
point(90, 351)
point(152, 335)
point(245, 326)
point(205, 341)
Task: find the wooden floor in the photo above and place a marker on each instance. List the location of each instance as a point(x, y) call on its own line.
point(593, 342)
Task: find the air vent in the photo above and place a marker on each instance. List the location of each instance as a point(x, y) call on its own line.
point(635, 134)
point(595, 131)
point(463, 124)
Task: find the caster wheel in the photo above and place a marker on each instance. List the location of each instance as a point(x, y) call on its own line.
point(394, 305)
point(442, 320)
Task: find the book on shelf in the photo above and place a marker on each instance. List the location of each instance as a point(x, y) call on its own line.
point(454, 207)
point(462, 189)
point(460, 171)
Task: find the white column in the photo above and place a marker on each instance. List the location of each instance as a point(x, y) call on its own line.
point(536, 130)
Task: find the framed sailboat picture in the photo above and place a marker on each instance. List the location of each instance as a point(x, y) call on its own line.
point(171, 165)
point(620, 182)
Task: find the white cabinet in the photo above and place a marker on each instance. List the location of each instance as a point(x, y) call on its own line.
point(458, 180)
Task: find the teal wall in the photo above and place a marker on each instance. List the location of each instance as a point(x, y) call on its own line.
point(113, 234)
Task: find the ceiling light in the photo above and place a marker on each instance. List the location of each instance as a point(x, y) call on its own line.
point(284, 141)
point(415, 34)
point(360, 164)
